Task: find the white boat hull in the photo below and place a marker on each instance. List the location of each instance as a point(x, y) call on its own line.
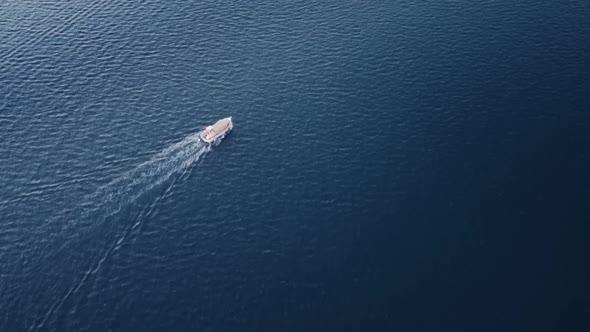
point(217, 130)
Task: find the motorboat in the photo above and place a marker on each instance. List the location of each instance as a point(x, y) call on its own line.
point(216, 130)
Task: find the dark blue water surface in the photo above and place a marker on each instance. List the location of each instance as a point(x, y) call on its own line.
point(394, 165)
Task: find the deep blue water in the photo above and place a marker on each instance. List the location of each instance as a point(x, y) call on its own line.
point(394, 166)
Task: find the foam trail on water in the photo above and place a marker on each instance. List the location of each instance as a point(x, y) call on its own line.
point(111, 198)
point(126, 189)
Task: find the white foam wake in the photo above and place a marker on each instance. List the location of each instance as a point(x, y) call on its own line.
point(111, 198)
point(126, 189)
